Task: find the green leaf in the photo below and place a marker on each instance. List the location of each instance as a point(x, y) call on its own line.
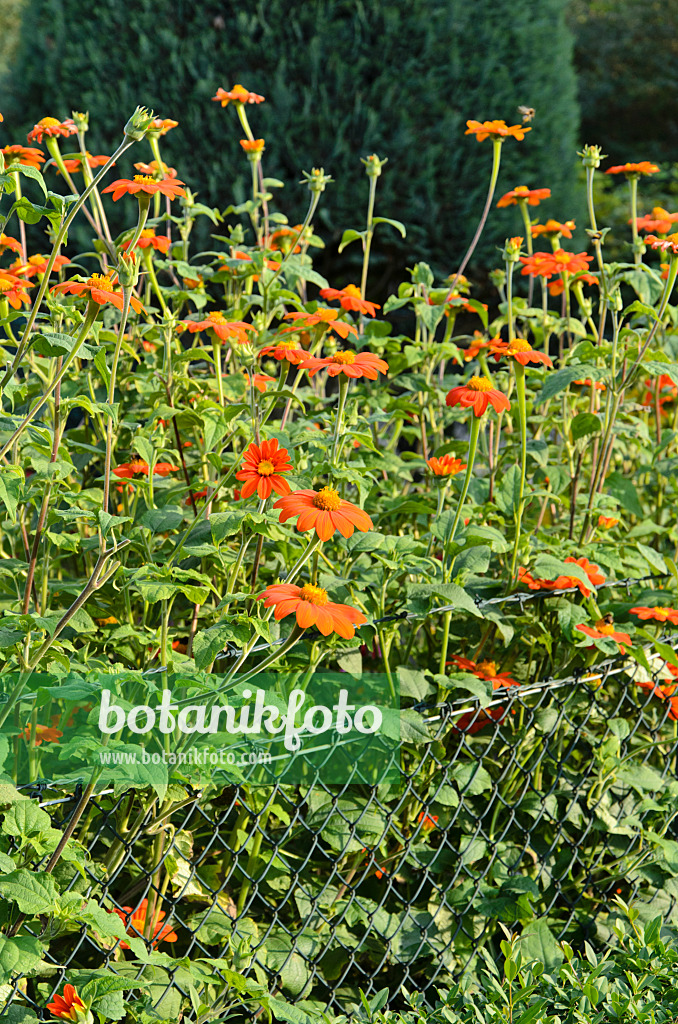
point(25, 819)
point(556, 382)
point(52, 344)
point(34, 892)
point(537, 942)
point(398, 225)
point(584, 424)
point(451, 593)
point(624, 491)
point(506, 494)
point(349, 236)
point(20, 955)
point(107, 521)
point(209, 642)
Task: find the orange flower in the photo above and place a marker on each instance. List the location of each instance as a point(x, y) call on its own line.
point(285, 350)
point(321, 316)
point(658, 614)
point(668, 391)
point(144, 183)
point(476, 346)
point(197, 496)
point(7, 242)
point(349, 298)
point(43, 733)
point(51, 127)
point(446, 465)
point(253, 145)
point(520, 350)
point(605, 631)
point(477, 395)
point(68, 1006)
point(138, 466)
point(282, 239)
point(160, 126)
point(238, 94)
point(546, 264)
point(633, 170)
point(668, 244)
point(558, 287)
point(496, 130)
point(148, 238)
point(587, 382)
point(323, 511)
point(135, 922)
point(659, 220)
point(473, 721)
point(456, 301)
point(223, 328)
point(427, 821)
point(260, 381)
point(26, 155)
point(607, 522)
point(74, 164)
point(521, 194)
point(38, 265)
point(565, 582)
point(664, 692)
point(237, 255)
point(101, 290)
point(553, 228)
point(155, 170)
point(13, 289)
point(262, 468)
point(312, 608)
point(352, 364)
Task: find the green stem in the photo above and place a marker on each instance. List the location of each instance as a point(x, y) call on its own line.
point(369, 234)
point(472, 447)
point(496, 160)
point(338, 426)
point(522, 416)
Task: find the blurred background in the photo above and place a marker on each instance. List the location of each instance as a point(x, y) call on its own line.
point(346, 78)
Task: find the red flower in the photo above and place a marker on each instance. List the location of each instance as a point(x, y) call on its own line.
point(520, 350)
point(323, 511)
point(558, 287)
point(285, 350)
point(68, 1006)
point(312, 608)
point(633, 170)
point(350, 299)
point(144, 183)
point(238, 94)
point(657, 614)
point(148, 239)
point(605, 631)
point(565, 582)
point(446, 465)
point(477, 395)
point(50, 126)
point(155, 170)
point(262, 468)
point(495, 130)
point(100, 289)
point(587, 382)
point(553, 229)
point(260, 381)
point(282, 239)
point(521, 194)
point(135, 922)
point(321, 316)
point(664, 692)
point(43, 733)
point(223, 328)
point(26, 155)
point(352, 364)
point(660, 220)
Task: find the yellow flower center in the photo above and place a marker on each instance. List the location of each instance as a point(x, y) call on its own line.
point(144, 179)
point(488, 667)
point(479, 384)
point(265, 468)
point(49, 122)
point(100, 281)
point(352, 290)
point(521, 190)
point(148, 233)
point(216, 317)
point(287, 345)
point(315, 595)
point(605, 627)
point(6, 285)
point(518, 345)
point(327, 499)
point(344, 358)
point(239, 93)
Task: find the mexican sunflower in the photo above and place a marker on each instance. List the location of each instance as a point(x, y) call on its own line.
point(238, 94)
point(352, 364)
point(155, 169)
point(74, 164)
point(595, 576)
point(427, 821)
point(223, 328)
point(323, 511)
point(546, 264)
point(350, 299)
point(7, 242)
point(262, 468)
point(557, 287)
point(521, 193)
point(138, 467)
point(477, 394)
point(477, 345)
point(446, 465)
point(38, 265)
point(668, 244)
point(520, 350)
point(149, 240)
point(606, 523)
point(51, 126)
point(260, 381)
point(135, 922)
point(44, 733)
point(665, 692)
point(161, 126)
point(326, 317)
point(656, 614)
point(472, 721)
point(495, 130)
point(312, 608)
point(285, 350)
point(605, 631)
point(28, 156)
point(144, 183)
point(659, 220)
point(68, 1006)
point(553, 228)
point(668, 391)
point(100, 289)
point(633, 170)
point(256, 146)
point(13, 289)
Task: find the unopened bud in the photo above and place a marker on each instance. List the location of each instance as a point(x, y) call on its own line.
point(591, 156)
point(128, 270)
point(139, 123)
point(373, 165)
point(81, 120)
point(512, 247)
point(317, 179)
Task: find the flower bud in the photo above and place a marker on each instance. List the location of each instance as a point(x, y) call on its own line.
point(373, 165)
point(512, 247)
point(317, 179)
point(498, 278)
point(139, 123)
point(128, 269)
point(81, 120)
point(591, 156)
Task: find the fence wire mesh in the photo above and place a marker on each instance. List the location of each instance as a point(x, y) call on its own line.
point(534, 811)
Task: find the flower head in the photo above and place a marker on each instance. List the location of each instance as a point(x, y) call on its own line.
point(668, 244)
point(147, 186)
point(149, 239)
point(473, 721)
point(495, 130)
point(74, 164)
point(660, 220)
point(68, 1006)
point(546, 264)
point(161, 126)
point(8, 242)
point(668, 391)
point(238, 94)
point(523, 194)
point(604, 630)
point(253, 146)
point(427, 821)
point(446, 465)
point(135, 923)
point(100, 289)
point(156, 170)
point(520, 350)
point(350, 299)
point(260, 381)
point(656, 614)
point(553, 229)
point(595, 576)
point(607, 523)
point(38, 265)
point(13, 289)
point(322, 317)
point(285, 349)
point(633, 170)
point(51, 127)
point(323, 511)
point(223, 328)
point(477, 394)
point(28, 156)
point(262, 468)
point(43, 733)
point(137, 467)
point(312, 608)
point(352, 364)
